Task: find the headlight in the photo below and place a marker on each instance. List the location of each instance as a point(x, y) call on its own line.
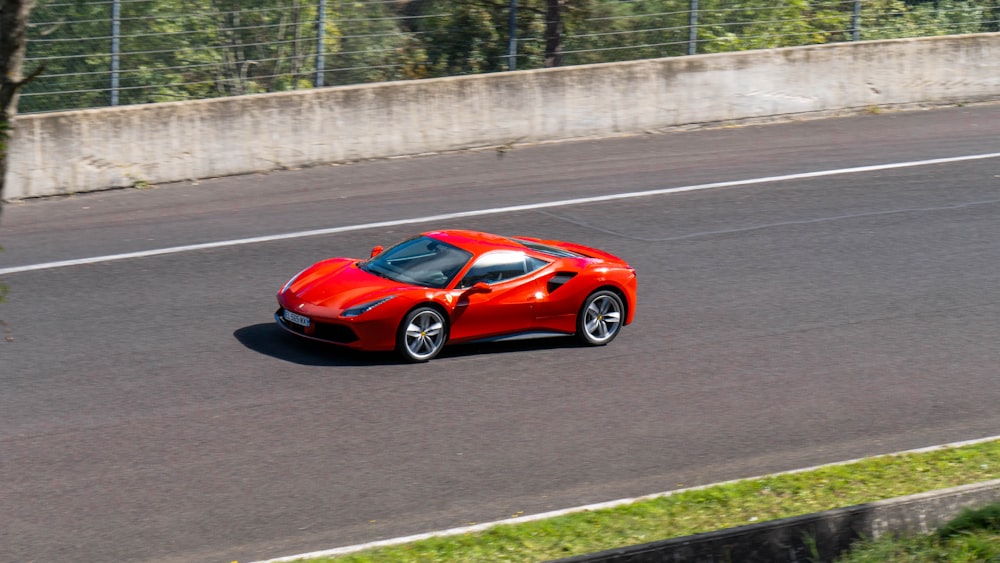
point(365, 307)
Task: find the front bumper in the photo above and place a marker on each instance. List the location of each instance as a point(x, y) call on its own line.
point(318, 330)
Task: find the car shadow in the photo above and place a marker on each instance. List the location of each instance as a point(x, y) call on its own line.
point(509, 346)
point(270, 340)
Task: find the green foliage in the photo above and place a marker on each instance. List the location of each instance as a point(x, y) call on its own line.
point(472, 36)
point(464, 40)
point(759, 24)
point(972, 537)
point(889, 19)
point(191, 49)
point(366, 44)
point(987, 519)
point(628, 31)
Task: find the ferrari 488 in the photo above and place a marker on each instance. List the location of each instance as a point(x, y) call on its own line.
point(460, 286)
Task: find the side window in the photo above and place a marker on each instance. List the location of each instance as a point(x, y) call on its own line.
point(499, 266)
point(533, 264)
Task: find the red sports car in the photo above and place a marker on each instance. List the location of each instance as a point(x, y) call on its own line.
point(460, 286)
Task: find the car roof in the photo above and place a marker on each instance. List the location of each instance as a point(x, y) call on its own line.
point(475, 241)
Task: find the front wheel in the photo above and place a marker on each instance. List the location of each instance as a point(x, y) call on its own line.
point(600, 318)
point(422, 334)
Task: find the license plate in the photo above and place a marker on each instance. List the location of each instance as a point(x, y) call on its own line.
point(295, 318)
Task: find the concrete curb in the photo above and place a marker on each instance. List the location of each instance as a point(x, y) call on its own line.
point(821, 536)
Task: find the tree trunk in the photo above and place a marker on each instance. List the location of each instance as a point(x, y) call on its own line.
point(13, 28)
point(553, 33)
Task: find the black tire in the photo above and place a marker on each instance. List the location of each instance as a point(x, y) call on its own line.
point(600, 318)
point(422, 334)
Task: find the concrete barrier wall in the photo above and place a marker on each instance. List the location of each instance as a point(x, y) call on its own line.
point(78, 151)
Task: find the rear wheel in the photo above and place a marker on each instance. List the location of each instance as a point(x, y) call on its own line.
point(600, 318)
point(422, 334)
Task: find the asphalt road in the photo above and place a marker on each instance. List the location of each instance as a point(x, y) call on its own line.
point(150, 410)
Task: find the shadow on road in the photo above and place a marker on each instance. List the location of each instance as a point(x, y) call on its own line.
point(270, 340)
point(510, 346)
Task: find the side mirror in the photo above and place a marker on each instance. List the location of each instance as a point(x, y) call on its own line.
point(375, 252)
point(480, 287)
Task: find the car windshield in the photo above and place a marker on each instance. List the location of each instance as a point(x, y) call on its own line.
point(422, 261)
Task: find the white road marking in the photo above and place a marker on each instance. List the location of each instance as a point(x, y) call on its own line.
point(591, 507)
point(489, 211)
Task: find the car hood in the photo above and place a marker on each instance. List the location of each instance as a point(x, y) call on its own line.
point(339, 283)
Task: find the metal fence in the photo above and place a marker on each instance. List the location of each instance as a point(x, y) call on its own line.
point(111, 52)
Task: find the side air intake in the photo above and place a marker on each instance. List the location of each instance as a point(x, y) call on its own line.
point(559, 279)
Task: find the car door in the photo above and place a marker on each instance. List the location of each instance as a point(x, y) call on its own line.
point(496, 296)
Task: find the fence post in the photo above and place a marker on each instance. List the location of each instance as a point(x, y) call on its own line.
point(320, 28)
point(856, 21)
point(693, 29)
point(512, 26)
point(116, 13)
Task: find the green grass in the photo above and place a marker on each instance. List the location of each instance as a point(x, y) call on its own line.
point(971, 538)
point(702, 510)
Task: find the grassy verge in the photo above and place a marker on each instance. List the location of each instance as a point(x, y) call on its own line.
point(972, 537)
point(703, 510)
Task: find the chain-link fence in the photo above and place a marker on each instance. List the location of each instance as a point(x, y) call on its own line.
point(112, 52)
